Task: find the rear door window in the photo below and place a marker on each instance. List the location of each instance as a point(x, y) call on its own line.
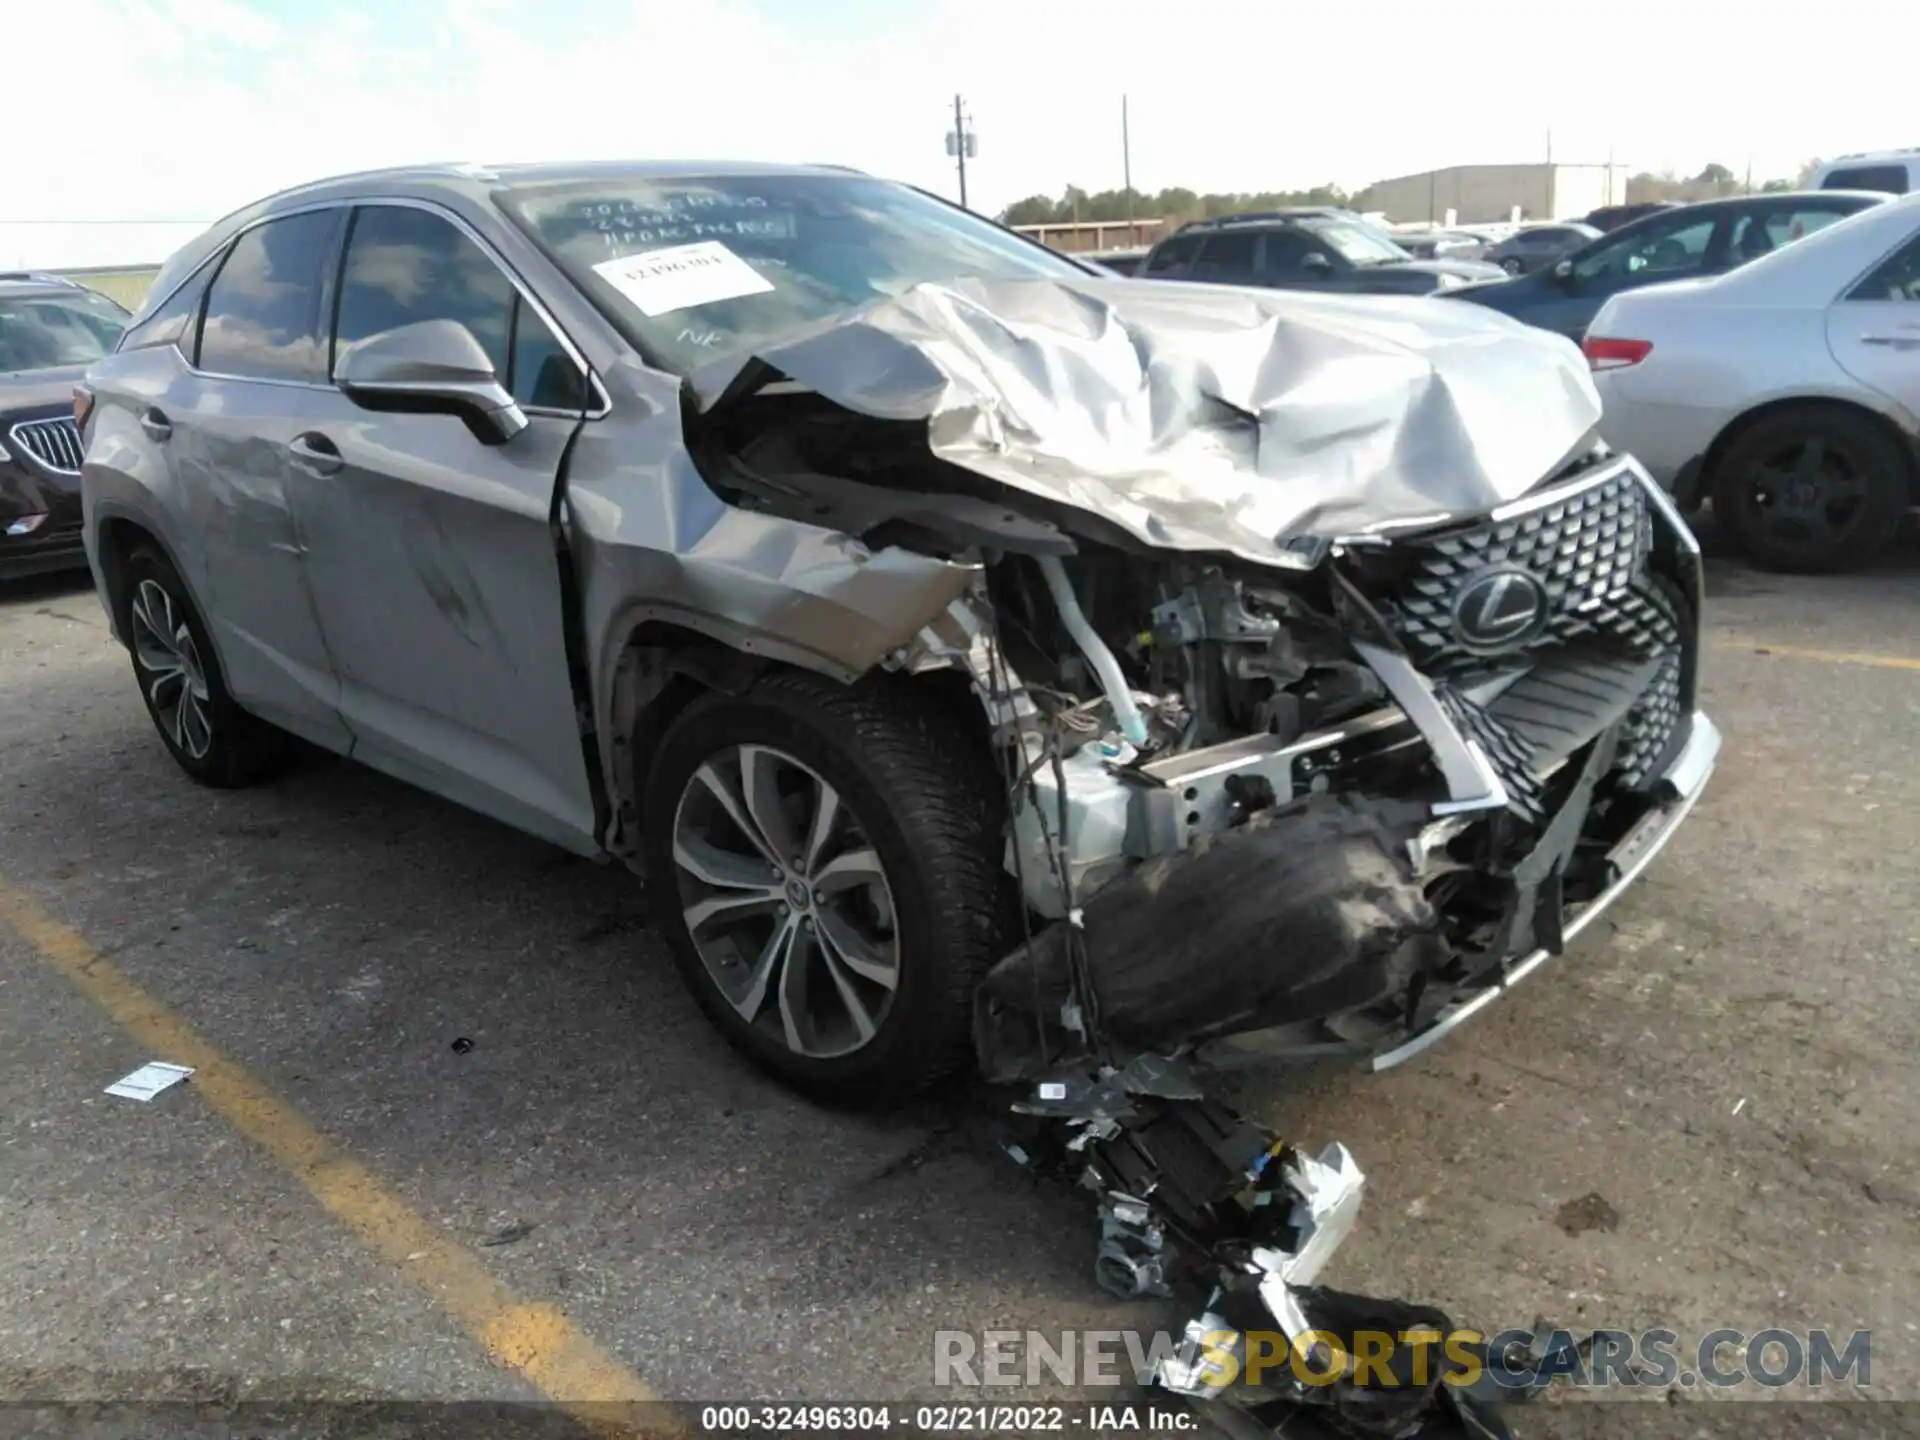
point(263, 308)
point(1228, 256)
point(1172, 256)
point(1890, 178)
point(1666, 249)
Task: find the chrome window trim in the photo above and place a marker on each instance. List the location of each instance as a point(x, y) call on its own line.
point(602, 404)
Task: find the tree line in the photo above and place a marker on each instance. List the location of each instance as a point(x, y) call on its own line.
point(1177, 204)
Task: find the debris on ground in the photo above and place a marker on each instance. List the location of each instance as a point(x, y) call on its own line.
point(1590, 1212)
point(149, 1080)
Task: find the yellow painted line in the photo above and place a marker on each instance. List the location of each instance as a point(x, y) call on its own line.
point(1831, 657)
point(536, 1340)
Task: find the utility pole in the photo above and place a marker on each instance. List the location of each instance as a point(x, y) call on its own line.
point(963, 145)
point(1126, 170)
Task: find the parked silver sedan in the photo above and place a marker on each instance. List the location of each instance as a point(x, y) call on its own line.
point(978, 657)
point(1787, 391)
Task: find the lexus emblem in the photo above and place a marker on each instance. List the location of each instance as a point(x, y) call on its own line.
point(1499, 609)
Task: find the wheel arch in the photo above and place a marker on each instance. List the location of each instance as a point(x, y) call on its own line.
point(1745, 421)
point(116, 536)
point(664, 666)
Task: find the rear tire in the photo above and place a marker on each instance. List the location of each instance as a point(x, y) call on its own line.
point(1811, 488)
point(204, 729)
point(905, 882)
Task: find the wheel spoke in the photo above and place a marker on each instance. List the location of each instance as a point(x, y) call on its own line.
point(1811, 463)
point(845, 946)
point(793, 991)
point(843, 872)
point(153, 629)
point(196, 731)
point(826, 818)
point(760, 786)
point(723, 869)
point(849, 996)
point(723, 791)
point(768, 970)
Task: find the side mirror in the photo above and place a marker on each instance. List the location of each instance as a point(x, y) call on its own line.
point(1563, 272)
point(1316, 262)
point(432, 367)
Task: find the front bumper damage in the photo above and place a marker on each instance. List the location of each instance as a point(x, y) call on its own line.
point(1269, 899)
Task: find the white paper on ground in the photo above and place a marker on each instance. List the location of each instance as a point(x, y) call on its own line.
point(682, 276)
point(149, 1080)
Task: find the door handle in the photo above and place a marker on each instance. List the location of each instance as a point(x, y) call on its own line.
point(315, 453)
point(156, 424)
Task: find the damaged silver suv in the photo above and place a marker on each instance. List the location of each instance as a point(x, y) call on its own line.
point(978, 657)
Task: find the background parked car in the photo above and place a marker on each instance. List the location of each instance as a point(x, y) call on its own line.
point(1685, 242)
point(1527, 249)
point(50, 330)
point(1611, 217)
point(1116, 262)
point(1895, 171)
point(1303, 251)
point(1788, 391)
point(1440, 244)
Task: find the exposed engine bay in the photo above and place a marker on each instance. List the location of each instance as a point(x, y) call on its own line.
point(1320, 794)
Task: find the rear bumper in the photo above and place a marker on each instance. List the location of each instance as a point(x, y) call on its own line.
point(1681, 786)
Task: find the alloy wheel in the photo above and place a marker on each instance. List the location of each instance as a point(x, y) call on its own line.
point(170, 670)
point(786, 901)
point(1808, 492)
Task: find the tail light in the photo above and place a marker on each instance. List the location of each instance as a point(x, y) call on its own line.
point(1608, 354)
point(82, 405)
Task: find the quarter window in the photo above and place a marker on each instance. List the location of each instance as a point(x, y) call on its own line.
point(172, 323)
point(1898, 277)
point(405, 265)
point(263, 308)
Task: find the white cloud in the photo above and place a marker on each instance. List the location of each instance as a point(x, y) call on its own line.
point(186, 108)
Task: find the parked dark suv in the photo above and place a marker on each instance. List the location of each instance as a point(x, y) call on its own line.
point(1303, 251)
point(51, 329)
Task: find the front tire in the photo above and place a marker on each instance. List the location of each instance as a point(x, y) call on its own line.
point(824, 862)
point(1810, 489)
point(204, 729)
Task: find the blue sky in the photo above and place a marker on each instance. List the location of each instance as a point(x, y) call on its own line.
point(183, 109)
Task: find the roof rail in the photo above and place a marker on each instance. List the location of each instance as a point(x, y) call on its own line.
point(40, 277)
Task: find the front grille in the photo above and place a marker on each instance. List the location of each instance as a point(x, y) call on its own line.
point(54, 443)
point(1589, 550)
point(1609, 648)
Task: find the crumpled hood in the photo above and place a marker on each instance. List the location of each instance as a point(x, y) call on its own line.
point(1202, 417)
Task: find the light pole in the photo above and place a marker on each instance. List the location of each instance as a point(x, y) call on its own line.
point(962, 144)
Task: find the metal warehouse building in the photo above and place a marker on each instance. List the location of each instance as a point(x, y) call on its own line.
point(1482, 194)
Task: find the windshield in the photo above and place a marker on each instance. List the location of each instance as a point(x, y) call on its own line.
point(40, 332)
point(698, 269)
point(1357, 244)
